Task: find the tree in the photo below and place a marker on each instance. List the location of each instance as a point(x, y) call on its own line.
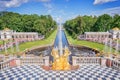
point(43, 24)
point(103, 23)
point(116, 21)
point(82, 24)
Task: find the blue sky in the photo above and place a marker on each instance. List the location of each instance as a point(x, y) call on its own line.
point(62, 9)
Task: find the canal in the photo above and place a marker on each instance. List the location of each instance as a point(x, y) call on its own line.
point(74, 50)
point(64, 39)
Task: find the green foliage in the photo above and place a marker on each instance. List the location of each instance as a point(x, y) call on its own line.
point(79, 25)
point(43, 24)
point(103, 23)
point(75, 25)
point(82, 24)
point(116, 21)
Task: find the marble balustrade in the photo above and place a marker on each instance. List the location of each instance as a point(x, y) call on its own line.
point(24, 61)
point(35, 61)
point(4, 65)
point(107, 62)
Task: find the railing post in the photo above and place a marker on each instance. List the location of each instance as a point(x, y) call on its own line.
point(1, 65)
point(115, 64)
point(110, 62)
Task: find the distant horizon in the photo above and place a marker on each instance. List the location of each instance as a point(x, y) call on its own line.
point(62, 9)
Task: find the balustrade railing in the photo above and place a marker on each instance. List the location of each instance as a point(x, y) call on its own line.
point(96, 61)
point(45, 61)
point(5, 64)
point(86, 60)
point(115, 64)
point(35, 61)
point(24, 61)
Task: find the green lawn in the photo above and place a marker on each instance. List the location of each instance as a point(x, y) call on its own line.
point(29, 45)
point(1, 42)
point(89, 44)
point(49, 40)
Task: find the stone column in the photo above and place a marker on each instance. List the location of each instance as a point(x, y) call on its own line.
point(46, 60)
point(17, 62)
point(103, 62)
point(74, 61)
point(86, 36)
point(109, 62)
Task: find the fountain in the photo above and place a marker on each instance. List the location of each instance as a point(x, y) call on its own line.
point(117, 47)
point(60, 41)
point(6, 51)
point(60, 59)
point(106, 45)
point(12, 49)
point(61, 62)
point(5, 45)
point(110, 45)
point(60, 55)
point(17, 46)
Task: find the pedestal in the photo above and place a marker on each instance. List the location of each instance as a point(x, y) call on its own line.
point(103, 62)
point(74, 61)
point(18, 62)
point(46, 60)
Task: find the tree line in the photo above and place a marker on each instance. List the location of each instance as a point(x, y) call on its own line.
point(43, 24)
point(82, 24)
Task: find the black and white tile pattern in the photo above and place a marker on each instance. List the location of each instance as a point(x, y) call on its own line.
point(34, 72)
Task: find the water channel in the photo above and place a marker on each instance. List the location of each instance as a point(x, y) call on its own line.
point(75, 50)
point(64, 39)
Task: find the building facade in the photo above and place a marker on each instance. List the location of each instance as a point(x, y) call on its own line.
point(89, 35)
point(113, 34)
point(10, 34)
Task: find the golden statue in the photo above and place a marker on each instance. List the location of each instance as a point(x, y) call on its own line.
point(116, 28)
point(60, 62)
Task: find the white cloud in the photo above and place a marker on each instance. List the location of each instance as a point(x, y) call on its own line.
point(4, 4)
point(11, 3)
point(111, 11)
point(102, 1)
point(48, 5)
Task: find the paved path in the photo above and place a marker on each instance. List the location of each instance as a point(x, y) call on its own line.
point(34, 72)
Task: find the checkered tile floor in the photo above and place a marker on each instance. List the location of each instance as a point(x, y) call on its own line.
point(34, 72)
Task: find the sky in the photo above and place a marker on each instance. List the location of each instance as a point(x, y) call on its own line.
point(62, 10)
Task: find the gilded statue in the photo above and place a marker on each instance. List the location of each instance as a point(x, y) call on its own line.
point(60, 61)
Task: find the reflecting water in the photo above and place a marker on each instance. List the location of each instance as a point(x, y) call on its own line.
point(82, 51)
point(76, 51)
point(42, 51)
point(64, 39)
